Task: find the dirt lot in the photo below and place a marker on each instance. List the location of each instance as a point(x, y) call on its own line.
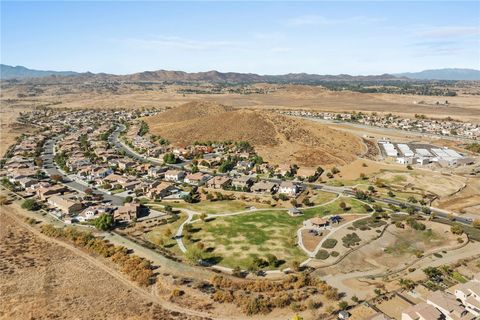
point(393, 307)
point(41, 280)
point(9, 127)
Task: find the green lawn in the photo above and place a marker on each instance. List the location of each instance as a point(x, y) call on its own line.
point(334, 208)
point(319, 197)
point(237, 239)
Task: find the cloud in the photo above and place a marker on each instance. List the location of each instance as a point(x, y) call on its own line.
point(317, 20)
point(173, 42)
point(449, 31)
point(436, 48)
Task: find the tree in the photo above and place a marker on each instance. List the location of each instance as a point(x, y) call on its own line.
point(407, 284)
point(456, 229)
point(432, 272)
point(104, 222)
point(194, 254)
point(56, 178)
point(476, 223)
point(88, 191)
point(391, 194)
point(272, 260)
point(168, 208)
point(355, 299)
point(343, 206)
point(31, 205)
point(295, 265)
point(128, 199)
point(343, 305)
point(203, 216)
point(169, 158)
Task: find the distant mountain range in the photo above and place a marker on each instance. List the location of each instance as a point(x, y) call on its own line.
point(20, 73)
point(443, 74)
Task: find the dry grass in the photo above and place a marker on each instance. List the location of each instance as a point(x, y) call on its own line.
point(278, 139)
point(42, 280)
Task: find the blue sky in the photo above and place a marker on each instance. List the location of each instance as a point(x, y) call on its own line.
point(259, 37)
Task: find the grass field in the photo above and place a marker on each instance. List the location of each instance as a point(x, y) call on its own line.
point(334, 208)
point(236, 240)
point(212, 207)
point(157, 235)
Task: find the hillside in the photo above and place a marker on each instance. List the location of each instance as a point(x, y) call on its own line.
point(277, 138)
point(444, 74)
point(213, 76)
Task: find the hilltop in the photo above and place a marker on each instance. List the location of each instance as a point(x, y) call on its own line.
point(277, 138)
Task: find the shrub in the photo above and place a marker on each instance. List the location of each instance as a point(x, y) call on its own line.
point(322, 254)
point(31, 205)
point(350, 240)
point(329, 243)
point(334, 253)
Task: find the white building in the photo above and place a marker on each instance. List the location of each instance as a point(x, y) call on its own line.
point(174, 175)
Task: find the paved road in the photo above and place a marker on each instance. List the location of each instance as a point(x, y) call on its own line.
point(338, 190)
point(51, 169)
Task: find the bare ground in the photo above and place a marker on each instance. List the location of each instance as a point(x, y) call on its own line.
point(42, 280)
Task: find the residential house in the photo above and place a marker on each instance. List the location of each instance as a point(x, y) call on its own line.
point(219, 182)
point(242, 183)
point(160, 191)
point(448, 305)
point(421, 311)
point(264, 186)
point(67, 205)
point(45, 192)
point(289, 188)
point(156, 172)
point(174, 175)
point(27, 182)
point(124, 164)
point(93, 212)
point(197, 178)
point(127, 212)
point(469, 294)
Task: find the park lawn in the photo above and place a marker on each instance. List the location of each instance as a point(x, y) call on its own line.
point(237, 239)
point(157, 234)
point(355, 206)
point(319, 197)
point(214, 207)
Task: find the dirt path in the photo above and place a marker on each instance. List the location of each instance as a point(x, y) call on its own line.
point(148, 296)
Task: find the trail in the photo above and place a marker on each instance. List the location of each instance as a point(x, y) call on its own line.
point(115, 274)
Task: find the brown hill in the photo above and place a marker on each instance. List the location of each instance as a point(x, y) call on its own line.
point(192, 110)
point(278, 139)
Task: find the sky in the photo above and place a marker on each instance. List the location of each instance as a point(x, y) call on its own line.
point(255, 37)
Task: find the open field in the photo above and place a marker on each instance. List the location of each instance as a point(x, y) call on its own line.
point(279, 96)
point(214, 207)
point(235, 240)
point(42, 280)
point(9, 127)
